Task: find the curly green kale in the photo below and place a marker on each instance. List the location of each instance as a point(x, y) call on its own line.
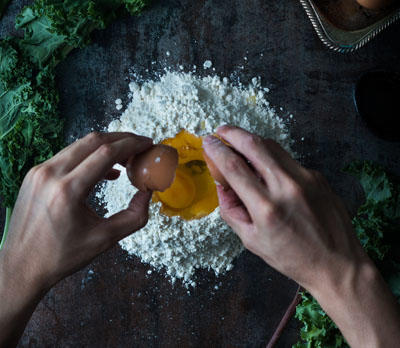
point(318, 330)
point(53, 27)
point(31, 130)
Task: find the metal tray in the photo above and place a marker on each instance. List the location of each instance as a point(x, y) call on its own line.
point(340, 40)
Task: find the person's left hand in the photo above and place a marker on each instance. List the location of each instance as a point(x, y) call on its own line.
point(53, 232)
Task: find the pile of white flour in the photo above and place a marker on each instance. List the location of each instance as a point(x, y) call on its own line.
point(160, 109)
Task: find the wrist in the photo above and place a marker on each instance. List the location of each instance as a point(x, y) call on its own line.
point(18, 280)
point(344, 278)
point(19, 295)
point(361, 304)
point(347, 282)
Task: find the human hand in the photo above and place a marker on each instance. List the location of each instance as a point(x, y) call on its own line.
point(53, 232)
point(290, 217)
point(282, 212)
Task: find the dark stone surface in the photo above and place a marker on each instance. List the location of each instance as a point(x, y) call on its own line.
point(120, 305)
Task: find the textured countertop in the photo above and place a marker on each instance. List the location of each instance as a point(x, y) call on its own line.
point(114, 302)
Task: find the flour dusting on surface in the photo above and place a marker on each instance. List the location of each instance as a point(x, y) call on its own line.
point(160, 109)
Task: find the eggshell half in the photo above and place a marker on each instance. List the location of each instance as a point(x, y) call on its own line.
point(154, 169)
point(215, 172)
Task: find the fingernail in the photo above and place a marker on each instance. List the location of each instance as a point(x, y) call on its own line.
point(223, 127)
point(210, 139)
point(145, 143)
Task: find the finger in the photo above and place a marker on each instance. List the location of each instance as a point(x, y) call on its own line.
point(320, 178)
point(68, 158)
point(122, 224)
point(113, 174)
point(287, 163)
point(269, 158)
point(232, 209)
point(89, 141)
point(236, 172)
point(235, 213)
point(99, 163)
point(252, 147)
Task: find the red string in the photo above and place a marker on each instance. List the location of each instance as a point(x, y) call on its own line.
point(285, 319)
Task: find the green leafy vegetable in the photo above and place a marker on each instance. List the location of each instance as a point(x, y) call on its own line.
point(31, 130)
point(318, 329)
point(378, 228)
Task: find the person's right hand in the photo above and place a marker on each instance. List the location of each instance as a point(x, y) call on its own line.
point(282, 212)
point(290, 217)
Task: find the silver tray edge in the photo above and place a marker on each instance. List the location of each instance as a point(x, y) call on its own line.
point(319, 27)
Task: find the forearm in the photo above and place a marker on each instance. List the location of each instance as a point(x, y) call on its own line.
point(363, 308)
point(19, 296)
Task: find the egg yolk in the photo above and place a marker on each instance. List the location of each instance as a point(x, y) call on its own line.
point(181, 193)
point(193, 193)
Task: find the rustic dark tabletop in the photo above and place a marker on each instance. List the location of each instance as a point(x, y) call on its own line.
point(114, 302)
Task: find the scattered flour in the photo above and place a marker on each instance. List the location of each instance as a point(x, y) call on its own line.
point(160, 109)
point(207, 64)
point(118, 104)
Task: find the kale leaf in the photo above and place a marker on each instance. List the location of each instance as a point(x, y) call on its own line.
point(31, 130)
point(318, 329)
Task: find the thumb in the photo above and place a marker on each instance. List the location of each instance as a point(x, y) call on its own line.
point(131, 219)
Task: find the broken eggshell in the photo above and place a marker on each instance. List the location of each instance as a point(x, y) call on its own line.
point(154, 169)
point(215, 172)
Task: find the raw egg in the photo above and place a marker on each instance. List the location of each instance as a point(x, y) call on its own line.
point(181, 193)
point(154, 169)
point(193, 193)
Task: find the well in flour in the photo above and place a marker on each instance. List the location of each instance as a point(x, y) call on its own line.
point(160, 109)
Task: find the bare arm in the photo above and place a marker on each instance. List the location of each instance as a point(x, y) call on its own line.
point(53, 232)
point(290, 217)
